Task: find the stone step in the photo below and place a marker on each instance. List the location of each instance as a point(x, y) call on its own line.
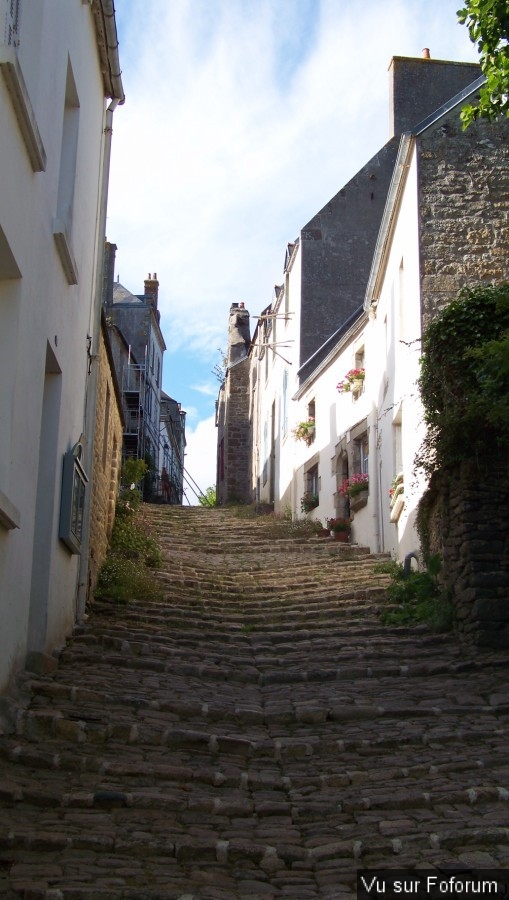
point(258, 733)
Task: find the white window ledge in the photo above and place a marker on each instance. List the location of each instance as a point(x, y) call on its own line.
point(9, 514)
point(13, 77)
point(397, 503)
point(64, 251)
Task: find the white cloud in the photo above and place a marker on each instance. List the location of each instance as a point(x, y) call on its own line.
point(208, 389)
point(200, 459)
point(216, 164)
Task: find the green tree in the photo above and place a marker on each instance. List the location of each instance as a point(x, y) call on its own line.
point(133, 471)
point(488, 25)
point(209, 497)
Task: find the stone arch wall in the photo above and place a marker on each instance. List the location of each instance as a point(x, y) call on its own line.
point(342, 469)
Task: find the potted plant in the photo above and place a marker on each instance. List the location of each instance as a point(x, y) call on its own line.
point(309, 501)
point(356, 489)
point(352, 381)
point(319, 530)
point(305, 431)
point(340, 529)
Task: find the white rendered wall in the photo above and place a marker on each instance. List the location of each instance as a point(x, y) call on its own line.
point(395, 337)
point(44, 323)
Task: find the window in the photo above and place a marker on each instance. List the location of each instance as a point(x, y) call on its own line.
point(397, 443)
point(360, 449)
point(68, 152)
point(402, 333)
point(284, 418)
point(265, 451)
point(62, 225)
point(364, 455)
point(12, 15)
point(12, 74)
point(313, 480)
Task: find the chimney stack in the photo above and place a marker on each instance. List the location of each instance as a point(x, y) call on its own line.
point(152, 289)
point(109, 272)
point(239, 335)
point(418, 86)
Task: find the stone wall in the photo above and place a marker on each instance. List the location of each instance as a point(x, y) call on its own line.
point(468, 526)
point(235, 433)
point(464, 209)
point(106, 461)
point(234, 426)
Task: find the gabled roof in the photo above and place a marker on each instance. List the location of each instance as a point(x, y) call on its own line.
point(122, 295)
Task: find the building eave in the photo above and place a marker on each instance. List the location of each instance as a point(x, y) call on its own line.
point(389, 219)
point(107, 44)
point(339, 340)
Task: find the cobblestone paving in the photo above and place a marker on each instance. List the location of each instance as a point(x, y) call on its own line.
point(257, 735)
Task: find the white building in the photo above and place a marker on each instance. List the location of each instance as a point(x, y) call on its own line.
point(443, 224)
point(59, 68)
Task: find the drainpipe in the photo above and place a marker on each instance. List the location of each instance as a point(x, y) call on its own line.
point(376, 483)
point(94, 339)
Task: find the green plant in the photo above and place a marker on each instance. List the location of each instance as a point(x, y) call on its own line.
point(339, 524)
point(353, 377)
point(126, 573)
point(350, 487)
point(416, 597)
point(209, 497)
point(309, 501)
point(121, 579)
point(149, 479)
point(316, 526)
point(464, 380)
point(304, 431)
point(133, 471)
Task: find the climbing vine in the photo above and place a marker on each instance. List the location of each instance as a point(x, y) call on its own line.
point(464, 381)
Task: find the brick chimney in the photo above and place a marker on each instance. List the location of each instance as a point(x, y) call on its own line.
point(419, 86)
point(152, 289)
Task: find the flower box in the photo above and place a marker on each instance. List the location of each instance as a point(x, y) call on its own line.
point(309, 501)
point(352, 382)
point(304, 431)
point(357, 501)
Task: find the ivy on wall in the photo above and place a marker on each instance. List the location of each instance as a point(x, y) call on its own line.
point(464, 381)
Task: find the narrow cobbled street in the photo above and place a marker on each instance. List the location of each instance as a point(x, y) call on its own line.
point(258, 734)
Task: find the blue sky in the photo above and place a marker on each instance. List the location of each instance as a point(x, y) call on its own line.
point(242, 119)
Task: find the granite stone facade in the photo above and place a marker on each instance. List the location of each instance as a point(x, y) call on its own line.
point(107, 456)
point(234, 426)
point(468, 526)
point(463, 209)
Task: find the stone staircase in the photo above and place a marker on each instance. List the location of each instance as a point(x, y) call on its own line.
point(257, 734)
